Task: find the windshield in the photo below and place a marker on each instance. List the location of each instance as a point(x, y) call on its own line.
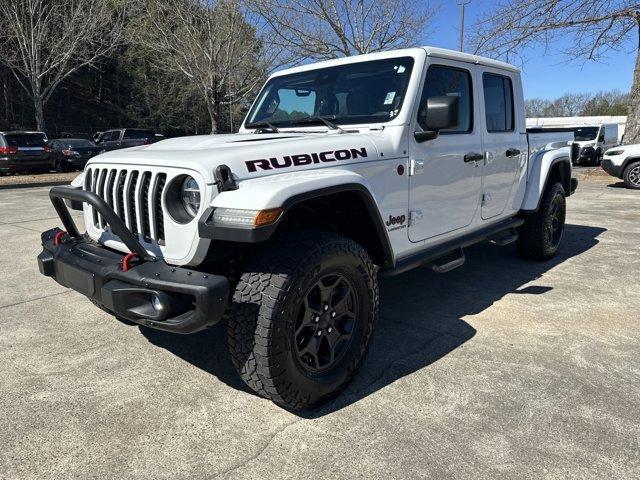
point(77, 142)
point(586, 133)
point(364, 92)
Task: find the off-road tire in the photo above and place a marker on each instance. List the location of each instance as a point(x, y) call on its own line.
point(533, 240)
point(265, 307)
point(631, 175)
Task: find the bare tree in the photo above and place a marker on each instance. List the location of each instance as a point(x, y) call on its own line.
point(594, 27)
point(325, 29)
point(211, 46)
point(536, 107)
point(42, 42)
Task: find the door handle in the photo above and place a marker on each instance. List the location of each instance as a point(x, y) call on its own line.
point(473, 157)
point(512, 152)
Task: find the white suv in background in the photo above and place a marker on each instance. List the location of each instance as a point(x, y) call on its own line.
point(624, 162)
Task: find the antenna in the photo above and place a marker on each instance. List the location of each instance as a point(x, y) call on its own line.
point(462, 4)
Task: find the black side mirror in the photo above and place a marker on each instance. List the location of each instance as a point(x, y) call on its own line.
point(601, 138)
point(437, 113)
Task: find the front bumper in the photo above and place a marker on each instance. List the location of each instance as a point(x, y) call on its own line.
point(150, 292)
point(587, 154)
point(609, 167)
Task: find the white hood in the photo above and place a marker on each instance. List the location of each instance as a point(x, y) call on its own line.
point(205, 152)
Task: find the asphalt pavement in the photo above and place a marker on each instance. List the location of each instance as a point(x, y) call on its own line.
point(500, 369)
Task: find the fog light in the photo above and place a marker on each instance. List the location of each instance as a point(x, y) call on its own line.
point(157, 304)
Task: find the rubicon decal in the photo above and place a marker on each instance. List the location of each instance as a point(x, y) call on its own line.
point(305, 159)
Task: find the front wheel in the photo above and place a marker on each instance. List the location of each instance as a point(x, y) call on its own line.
point(540, 236)
point(631, 176)
point(302, 318)
point(597, 158)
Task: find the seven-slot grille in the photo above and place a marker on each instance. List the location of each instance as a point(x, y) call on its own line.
point(136, 196)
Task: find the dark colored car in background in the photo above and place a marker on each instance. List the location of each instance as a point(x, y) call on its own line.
point(125, 137)
point(72, 153)
point(24, 152)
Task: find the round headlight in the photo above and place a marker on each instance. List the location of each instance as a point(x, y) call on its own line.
point(190, 195)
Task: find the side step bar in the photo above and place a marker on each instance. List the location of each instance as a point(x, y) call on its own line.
point(454, 259)
point(505, 238)
point(438, 251)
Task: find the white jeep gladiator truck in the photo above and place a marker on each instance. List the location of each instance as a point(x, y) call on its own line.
point(342, 171)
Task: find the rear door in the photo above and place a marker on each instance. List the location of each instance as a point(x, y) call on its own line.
point(505, 148)
point(445, 185)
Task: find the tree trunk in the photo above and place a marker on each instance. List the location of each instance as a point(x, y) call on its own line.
point(214, 119)
point(39, 109)
point(632, 130)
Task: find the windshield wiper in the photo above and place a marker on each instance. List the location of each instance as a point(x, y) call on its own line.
point(261, 125)
point(318, 119)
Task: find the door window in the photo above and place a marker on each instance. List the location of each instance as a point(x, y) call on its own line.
point(111, 136)
point(450, 82)
point(498, 103)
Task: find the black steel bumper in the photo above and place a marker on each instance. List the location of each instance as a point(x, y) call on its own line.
point(611, 169)
point(150, 292)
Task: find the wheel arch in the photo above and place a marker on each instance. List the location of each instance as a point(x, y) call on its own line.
point(345, 206)
point(627, 162)
point(547, 167)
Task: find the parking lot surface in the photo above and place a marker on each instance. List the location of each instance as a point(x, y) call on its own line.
point(500, 369)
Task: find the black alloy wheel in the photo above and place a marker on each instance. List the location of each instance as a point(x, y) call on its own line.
point(326, 319)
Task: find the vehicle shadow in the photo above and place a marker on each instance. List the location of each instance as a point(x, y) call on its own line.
point(617, 185)
point(421, 317)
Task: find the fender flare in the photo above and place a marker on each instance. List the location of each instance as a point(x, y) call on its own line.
point(627, 161)
point(261, 234)
point(538, 176)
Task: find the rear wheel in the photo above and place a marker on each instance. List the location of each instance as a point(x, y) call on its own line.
point(540, 236)
point(58, 166)
point(631, 176)
point(302, 318)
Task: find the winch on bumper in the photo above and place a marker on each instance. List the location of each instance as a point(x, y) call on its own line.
point(135, 286)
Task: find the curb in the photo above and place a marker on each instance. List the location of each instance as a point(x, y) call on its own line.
point(33, 184)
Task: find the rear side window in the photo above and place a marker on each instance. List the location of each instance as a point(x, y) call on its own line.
point(451, 82)
point(498, 102)
point(138, 134)
point(110, 136)
point(24, 140)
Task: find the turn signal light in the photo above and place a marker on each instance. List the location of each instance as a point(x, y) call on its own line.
point(267, 217)
point(237, 217)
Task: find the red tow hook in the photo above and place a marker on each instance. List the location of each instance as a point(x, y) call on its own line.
point(57, 239)
point(127, 259)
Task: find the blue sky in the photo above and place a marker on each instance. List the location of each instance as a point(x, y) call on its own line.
point(550, 75)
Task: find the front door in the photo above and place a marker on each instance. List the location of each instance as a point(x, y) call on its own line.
point(505, 149)
point(445, 181)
